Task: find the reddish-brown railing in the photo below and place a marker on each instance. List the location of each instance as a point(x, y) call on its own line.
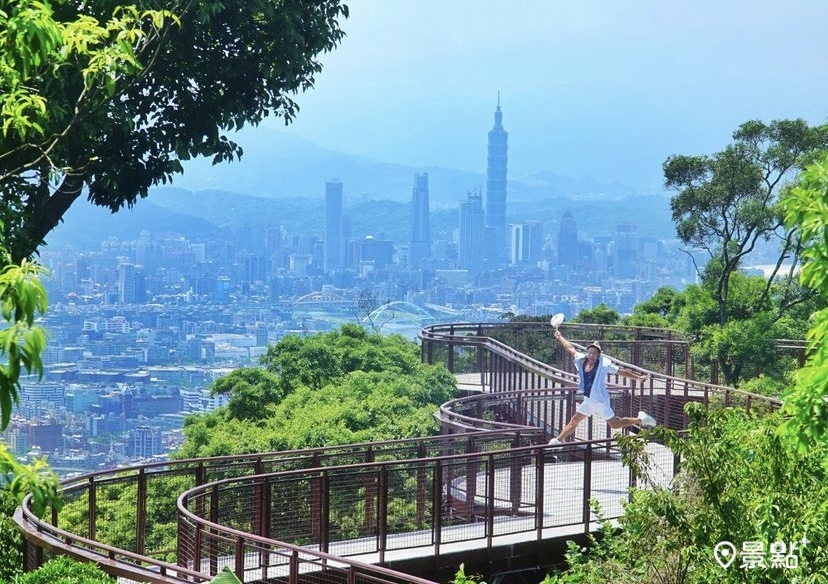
point(502, 368)
point(97, 497)
point(419, 508)
point(525, 399)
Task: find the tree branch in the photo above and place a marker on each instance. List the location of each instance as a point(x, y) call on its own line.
point(46, 214)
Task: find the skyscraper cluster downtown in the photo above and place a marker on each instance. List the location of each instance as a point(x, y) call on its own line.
point(527, 257)
point(484, 240)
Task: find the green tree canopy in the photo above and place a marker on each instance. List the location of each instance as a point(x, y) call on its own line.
point(727, 202)
point(746, 343)
point(666, 303)
point(601, 314)
point(248, 388)
point(348, 385)
point(806, 206)
point(108, 100)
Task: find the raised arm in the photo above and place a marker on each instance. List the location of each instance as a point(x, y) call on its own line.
point(567, 346)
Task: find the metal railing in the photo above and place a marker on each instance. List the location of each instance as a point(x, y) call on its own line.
point(383, 510)
point(501, 368)
point(97, 524)
point(327, 514)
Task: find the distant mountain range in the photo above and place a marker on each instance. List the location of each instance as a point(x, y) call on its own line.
point(281, 181)
point(278, 164)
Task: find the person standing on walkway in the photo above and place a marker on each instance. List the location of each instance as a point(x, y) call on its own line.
point(593, 368)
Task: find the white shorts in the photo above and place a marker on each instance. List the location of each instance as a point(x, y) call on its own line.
point(593, 406)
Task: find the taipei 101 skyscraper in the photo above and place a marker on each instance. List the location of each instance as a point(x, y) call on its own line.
point(496, 186)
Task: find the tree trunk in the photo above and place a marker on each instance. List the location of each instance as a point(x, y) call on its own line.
point(44, 214)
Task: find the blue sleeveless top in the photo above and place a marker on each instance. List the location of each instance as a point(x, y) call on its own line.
point(589, 379)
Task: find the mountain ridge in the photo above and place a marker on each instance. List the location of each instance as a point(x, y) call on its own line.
point(280, 180)
point(278, 164)
point(201, 215)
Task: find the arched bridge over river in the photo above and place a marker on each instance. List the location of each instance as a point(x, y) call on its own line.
point(356, 513)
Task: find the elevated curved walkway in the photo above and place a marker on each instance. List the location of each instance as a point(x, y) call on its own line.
point(340, 514)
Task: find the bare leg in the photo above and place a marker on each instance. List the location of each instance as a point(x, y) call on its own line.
point(571, 426)
point(617, 423)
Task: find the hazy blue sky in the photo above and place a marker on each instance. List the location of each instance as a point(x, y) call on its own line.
point(607, 88)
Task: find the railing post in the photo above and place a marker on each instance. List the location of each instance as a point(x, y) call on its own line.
point(421, 480)
point(437, 504)
point(141, 513)
point(587, 485)
point(212, 544)
point(293, 570)
point(382, 503)
point(370, 493)
point(472, 468)
point(239, 551)
point(324, 512)
point(93, 508)
point(490, 501)
point(689, 364)
point(264, 506)
point(516, 477)
point(31, 563)
point(481, 365)
point(540, 494)
point(315, 499)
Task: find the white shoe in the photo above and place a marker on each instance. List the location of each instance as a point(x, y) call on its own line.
point(647, 421)
point(555, 442)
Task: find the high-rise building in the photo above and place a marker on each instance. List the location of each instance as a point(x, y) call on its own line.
point(145, 442)
point(261, 334)
point(253, 267)
point(131, 286)
point(378, 251)
point(18, 440)
point(334, 244)
point(496, 185)
point(525, 242)
point(515, 243)
point(420, 248)
point(48, 436)
point(626, 251)
point(532, 242)
point(472, 233)
point(568, 241)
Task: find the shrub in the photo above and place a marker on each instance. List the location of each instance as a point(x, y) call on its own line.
point(63, 570)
